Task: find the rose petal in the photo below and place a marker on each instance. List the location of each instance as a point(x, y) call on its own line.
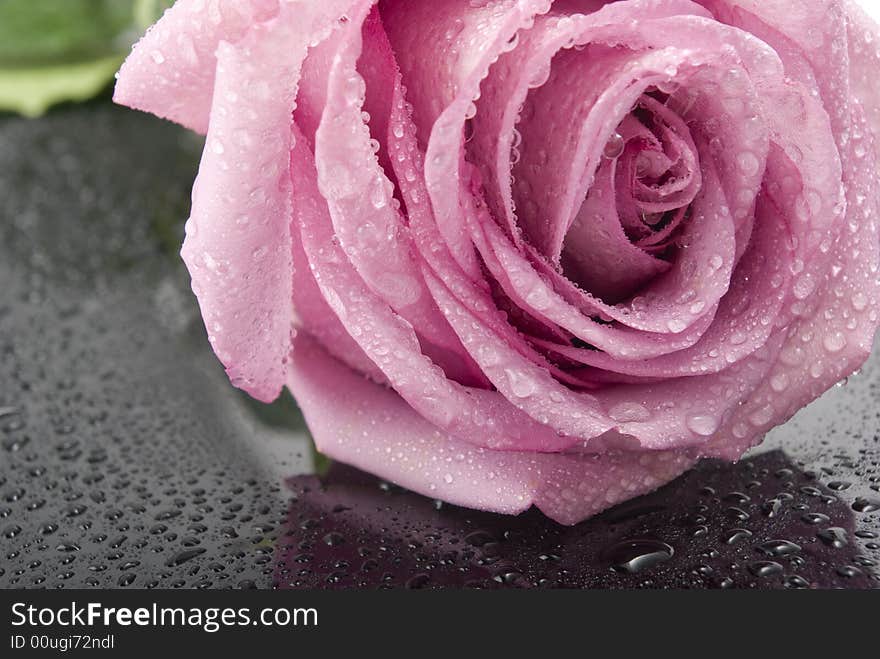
point(832, 337)
point(408, 163)
point(427, 39)
point(314, 315)
point(635, 198)
point(528, 386)
point(171, 70)
point(527, 65)
point(809, 38)
point(526, 281)
point(237, 245)
point(710, 253)
point(483, 418)
point(745, 318)
point(375, 430)
point(864, 63)
point(598, 254)
point(368, 227)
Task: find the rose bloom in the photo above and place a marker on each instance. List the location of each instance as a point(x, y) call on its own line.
point(519, 252)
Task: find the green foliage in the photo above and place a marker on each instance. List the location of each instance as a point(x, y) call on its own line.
point(65, 50)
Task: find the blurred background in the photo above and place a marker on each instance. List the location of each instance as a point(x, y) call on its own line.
point(65, 50)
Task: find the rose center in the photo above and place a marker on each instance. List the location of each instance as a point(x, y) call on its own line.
point(624, 234)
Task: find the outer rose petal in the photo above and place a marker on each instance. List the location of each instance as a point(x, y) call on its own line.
point(172, 68)
point(833, 338)
point(864, 63)
point(379, 432)
point(244, 59)
point(238, 246)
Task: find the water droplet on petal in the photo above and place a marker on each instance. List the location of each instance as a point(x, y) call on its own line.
point(629, 411)
point(521, 383)
point(614, 146)
point(702, 424)
point(834, 342)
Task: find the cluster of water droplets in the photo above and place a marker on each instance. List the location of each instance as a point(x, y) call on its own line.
point(764, 523)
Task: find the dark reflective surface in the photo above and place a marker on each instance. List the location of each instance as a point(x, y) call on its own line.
point(127, 460)
point(763, 523)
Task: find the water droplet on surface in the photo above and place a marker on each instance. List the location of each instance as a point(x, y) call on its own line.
point(863, 505)
point(638, 554)
point(765, 568)
point(334, 539)
point(127, 579)
point(771, 507)
point(735, 536)
point(795, 581)
point(11, 531)
point(184, 556)
point(778, 548)
point(737, 513)
point(833, 537)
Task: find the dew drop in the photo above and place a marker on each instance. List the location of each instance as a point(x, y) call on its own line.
point(859, 301)
point(628, 412)
point(702, 424)
point(521, 383)
point(862, 505)
point(638, 554)
point(748, 163)
point(614, 146)
point(833, 537)
point(778, 548)
point(765, 568)
point(834, 342)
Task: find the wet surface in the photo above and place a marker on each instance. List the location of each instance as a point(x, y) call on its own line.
point(127, 460)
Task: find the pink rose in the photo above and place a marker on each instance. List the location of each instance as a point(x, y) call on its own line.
point(513, 252)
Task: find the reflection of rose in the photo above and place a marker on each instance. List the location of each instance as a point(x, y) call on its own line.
point(573, 246)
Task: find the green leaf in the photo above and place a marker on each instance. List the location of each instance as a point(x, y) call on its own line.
point(147, 12)
point(32, 91)
point(321, 462)
point(53, 32)
point(65, 50)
